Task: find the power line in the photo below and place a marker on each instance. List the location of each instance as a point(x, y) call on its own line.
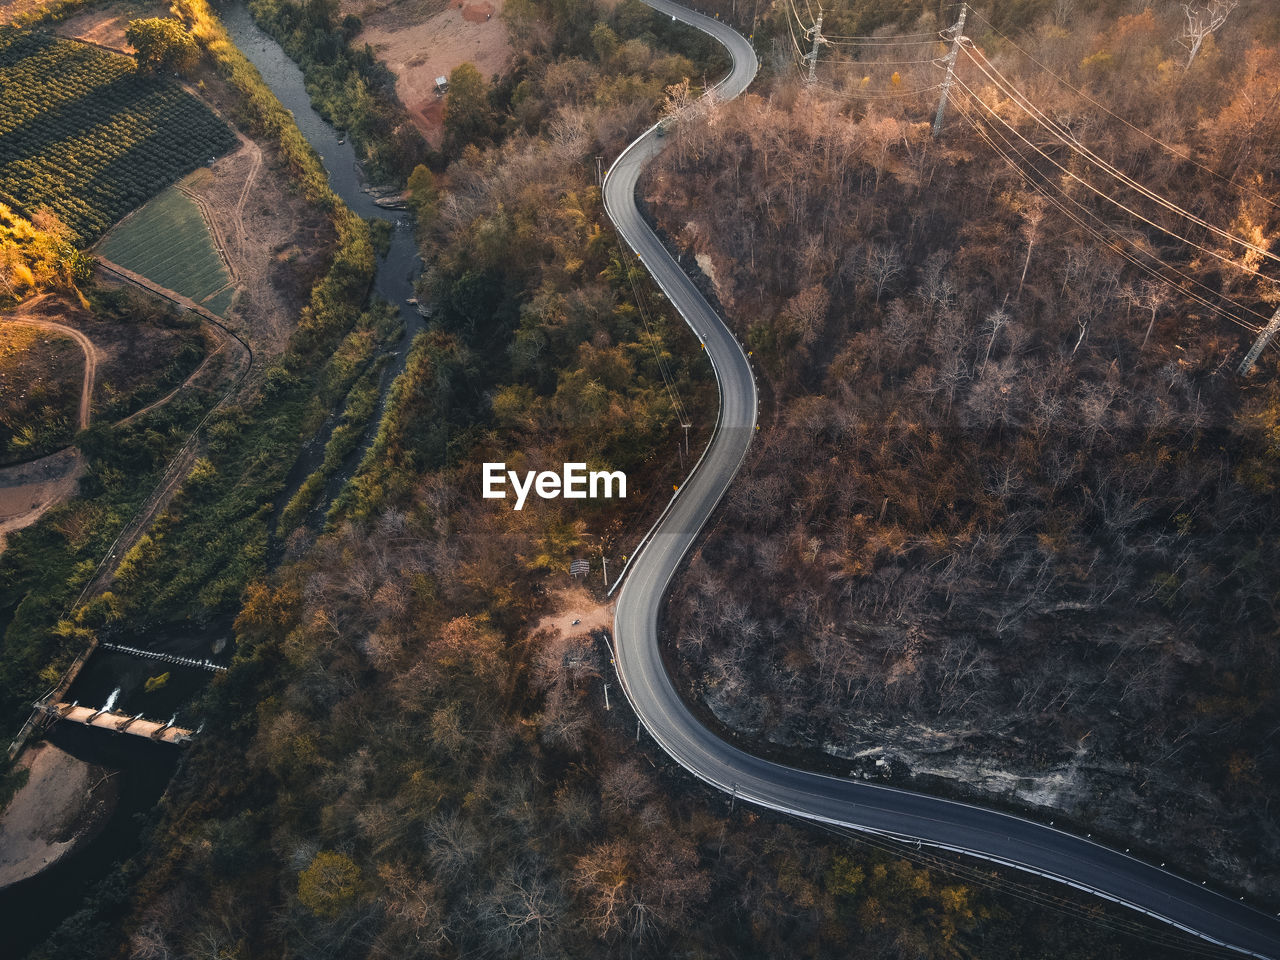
point(676, 403)
point(893, 42)
point(814, 33)
point(1061, 136)
point(794, 42)
point(1101, 106)
point(795, 13)
point(1006, 86)
point(881, 63)
point(857, 95)
point(888, 38)
point(1111, 243)
point(1103, 194)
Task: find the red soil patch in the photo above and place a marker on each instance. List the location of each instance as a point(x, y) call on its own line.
point(431, 121)
point(477, 12)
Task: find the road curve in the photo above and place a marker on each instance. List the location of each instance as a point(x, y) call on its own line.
point(90, 358)
point(944, 824)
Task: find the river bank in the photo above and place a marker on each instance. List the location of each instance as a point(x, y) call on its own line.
point(64, 804)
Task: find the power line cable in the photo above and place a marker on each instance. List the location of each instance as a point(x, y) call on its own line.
point(858, 95)
point(1006, 87)
point(1107, 196)
point(1020, 99)
point(881, 63)
point(1101, 106)
point(1111, 243)
point(885, 38)
point(795, 13)
point(795, 43)
point(870, 44)
point(667, 378)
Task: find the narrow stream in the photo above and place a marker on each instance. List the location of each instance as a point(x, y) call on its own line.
point(145, 768)
point(399, 268)
point(397, 271)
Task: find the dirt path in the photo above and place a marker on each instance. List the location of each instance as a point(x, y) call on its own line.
point(27, 490)
point(30, 489)
point(90, 353)
point(215, 233)
point(183, 460)
point(216, 225)
point(257, 227)
point(256, 164)
point(191, 379)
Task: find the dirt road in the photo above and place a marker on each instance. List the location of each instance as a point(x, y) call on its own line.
point(90, 354)
point(28, 490)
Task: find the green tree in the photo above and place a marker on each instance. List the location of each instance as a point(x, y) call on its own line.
point(423, 194)
point(468, 117)
point(605, 42)
point(162, 43)
point(329, 885)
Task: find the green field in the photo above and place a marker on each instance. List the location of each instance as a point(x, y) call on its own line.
point(86, 136)
point(167, 241)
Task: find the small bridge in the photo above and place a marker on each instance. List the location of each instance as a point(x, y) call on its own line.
point(119, 722)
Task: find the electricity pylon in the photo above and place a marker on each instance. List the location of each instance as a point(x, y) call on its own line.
point(958, 35)
point(1264, 338)
point(818, 40)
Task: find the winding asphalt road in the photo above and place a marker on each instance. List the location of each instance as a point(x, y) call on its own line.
point(935, 822)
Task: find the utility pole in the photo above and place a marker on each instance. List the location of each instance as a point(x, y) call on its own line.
point(813, 54)
point(958, 31)
point(1260, 344)
point(606, 696)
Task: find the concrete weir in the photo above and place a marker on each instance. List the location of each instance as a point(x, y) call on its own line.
point(137, 726)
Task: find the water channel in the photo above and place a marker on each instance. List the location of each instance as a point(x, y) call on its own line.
point(144, 769)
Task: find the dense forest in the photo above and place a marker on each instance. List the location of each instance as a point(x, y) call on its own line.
point(400, 763)
point(1011, 519)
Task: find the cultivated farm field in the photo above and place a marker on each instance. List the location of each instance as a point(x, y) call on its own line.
point(168, 241)
point(84, 135)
